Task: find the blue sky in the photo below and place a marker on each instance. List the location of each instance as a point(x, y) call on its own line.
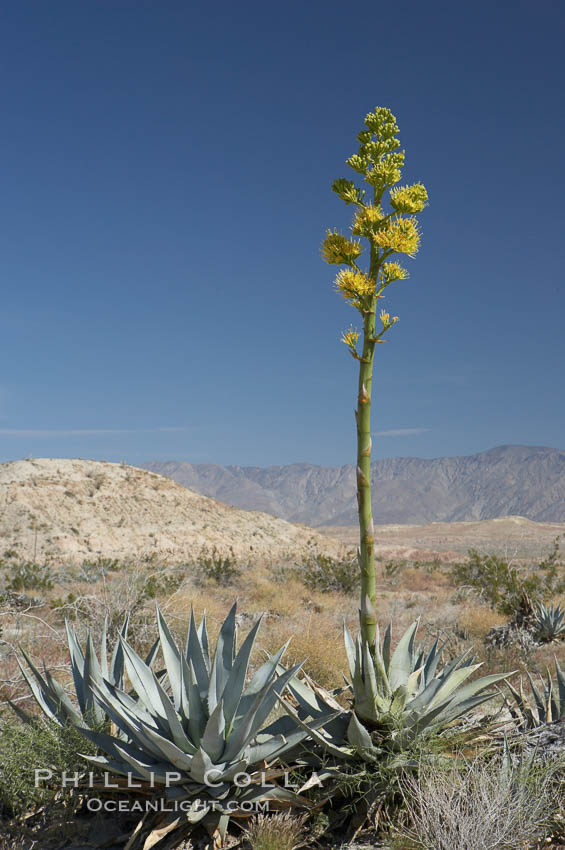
point(166, 171)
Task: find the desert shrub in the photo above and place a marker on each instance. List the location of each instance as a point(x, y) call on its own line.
point(212, 565)
point(324, 573)
point(25, 575)
point(504, 586)
point(280, 831)
point(25, 747)
point(479, 806)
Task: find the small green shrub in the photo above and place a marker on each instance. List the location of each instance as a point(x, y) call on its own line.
point(160, 584)
point(29, 576)
point(25, 747)
point(325, 573)
point(504, 587)
point(213, 566)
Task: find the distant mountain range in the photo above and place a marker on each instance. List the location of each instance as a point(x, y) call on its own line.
point(527, 481)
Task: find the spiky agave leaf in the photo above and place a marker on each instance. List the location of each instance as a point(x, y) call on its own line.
point(86, 668)
point(548, 703)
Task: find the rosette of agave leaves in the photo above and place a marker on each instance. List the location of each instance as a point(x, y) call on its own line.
point(397, 696)
point(201, 732)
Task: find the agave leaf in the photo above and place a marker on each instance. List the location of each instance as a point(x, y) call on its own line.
point(197, 715)
point(213, 740)
point(552, 712)
point(310, 728)
point(172, 658)
point(387, 640)
point(223, 660)
point(104, 649)
point(561, 688)
point(413, 682)
point(432, 661)
point(150, 656)
point(77, 666)
point(451, 684)
point(40, 691)
point(538, 698)
point(201, 766)
point(144, 681)
point(166, 749)
point(112, 766)
point(349, 650)
point(357, 735)
point(203, 638)
point(522, 708)
point(472, 688)
point(456, 663)
point(91, 673)
point(457, 708)
point(117, 662)
point(59, 694)
point(371, 689)
point(195, 656)
point(258, 681)
point(233, 690)
point(401, 661)
point(250, 724)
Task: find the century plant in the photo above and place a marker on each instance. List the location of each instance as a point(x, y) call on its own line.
point(389, 232)
point(52, 697)
point(549, 702)
point(549, 622)
point(396, 696)
point(213, 726)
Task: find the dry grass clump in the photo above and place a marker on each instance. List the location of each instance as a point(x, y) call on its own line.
point(281, 831)
point(478, 620)
point(483, 806)
point(318, 639)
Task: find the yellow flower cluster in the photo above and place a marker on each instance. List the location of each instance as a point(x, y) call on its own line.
point(350, 337)
point(387, 171)
point(400, 236)
point(354, 285)
point(366, 219)
point(393, 271)
point(409, 199)
point(338, 249)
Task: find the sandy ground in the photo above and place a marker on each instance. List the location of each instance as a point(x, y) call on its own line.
point(513, 537)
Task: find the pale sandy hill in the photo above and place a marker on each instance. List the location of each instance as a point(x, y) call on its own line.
point(69, 510)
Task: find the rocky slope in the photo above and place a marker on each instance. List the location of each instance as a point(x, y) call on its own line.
point(69, 510)
point(509, 480)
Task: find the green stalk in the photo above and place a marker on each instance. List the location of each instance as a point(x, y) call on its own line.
point(367, 614)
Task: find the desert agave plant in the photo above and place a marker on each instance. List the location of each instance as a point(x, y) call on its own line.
point(549, 622)
point(86, 668)
point(212, 728)
point(549, 701)
point(396, 696)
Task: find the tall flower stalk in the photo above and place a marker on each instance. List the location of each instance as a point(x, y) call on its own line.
point(389, 232)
